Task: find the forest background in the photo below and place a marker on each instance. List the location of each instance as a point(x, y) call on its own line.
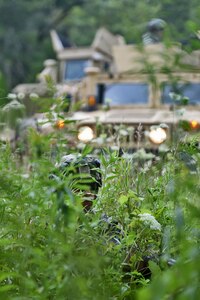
point(24, 28)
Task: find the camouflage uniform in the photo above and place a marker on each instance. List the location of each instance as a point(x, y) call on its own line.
point(155, 32)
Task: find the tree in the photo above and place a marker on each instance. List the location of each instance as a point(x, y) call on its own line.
point(25, 25)
point(24, 35)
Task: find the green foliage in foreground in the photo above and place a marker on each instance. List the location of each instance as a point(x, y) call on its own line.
point(51, 249)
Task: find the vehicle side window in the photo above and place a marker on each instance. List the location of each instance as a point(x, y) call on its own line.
point(123, 93)
point(190, 90)
point(74, 69)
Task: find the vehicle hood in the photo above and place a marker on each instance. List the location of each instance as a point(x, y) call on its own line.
point(131, 116)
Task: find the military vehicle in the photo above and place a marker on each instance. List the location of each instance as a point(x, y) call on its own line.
point(131, 94)
point(139, 104)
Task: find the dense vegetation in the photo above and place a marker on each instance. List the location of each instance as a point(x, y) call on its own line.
point(25, 25)
point(139, 241)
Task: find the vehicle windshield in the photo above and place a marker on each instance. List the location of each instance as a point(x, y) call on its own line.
point(124, 93)
point(190, 90)
point(74, 69)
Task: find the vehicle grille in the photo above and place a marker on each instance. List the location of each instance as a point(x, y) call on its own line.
point(129, 136)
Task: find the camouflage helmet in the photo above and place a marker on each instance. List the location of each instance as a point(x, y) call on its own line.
point(88, 164)
point(156, 25)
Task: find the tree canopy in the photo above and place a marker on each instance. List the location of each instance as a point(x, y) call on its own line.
point(25, 25)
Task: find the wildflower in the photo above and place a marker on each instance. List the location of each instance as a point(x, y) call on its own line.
point(123, 132)
point(175, 97)
point(34, 96)
point(108, 101)
point(180, 112)
point(163, 125)
point(150, 221)
point(20, 96)
point(25, 176)
point(14, 104)
point(141, 154)
point(12, 96)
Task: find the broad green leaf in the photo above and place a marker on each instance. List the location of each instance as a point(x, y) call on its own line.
point(123, 199)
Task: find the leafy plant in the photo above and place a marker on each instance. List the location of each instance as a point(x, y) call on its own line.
point(140, 239)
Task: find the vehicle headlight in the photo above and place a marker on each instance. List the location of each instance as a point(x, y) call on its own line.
point(60, 124)
point(194, 124)
point(158, 135)
point(85, 134)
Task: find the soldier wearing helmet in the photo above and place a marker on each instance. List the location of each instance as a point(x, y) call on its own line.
point(154, 34)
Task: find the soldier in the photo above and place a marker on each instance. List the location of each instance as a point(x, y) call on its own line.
point(154, 34)
point(88, 166)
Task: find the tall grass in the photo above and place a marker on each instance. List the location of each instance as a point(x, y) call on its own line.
point(140, 241)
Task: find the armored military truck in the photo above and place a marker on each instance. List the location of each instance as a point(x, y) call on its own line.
point(131, 95)
point(143, 100)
